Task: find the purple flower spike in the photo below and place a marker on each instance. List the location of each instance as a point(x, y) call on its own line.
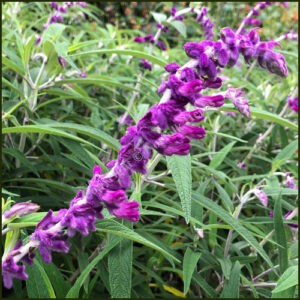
point(11, 270)
point(261, 196)
point(51, 239)
point(21, 209)
point(146, 64)
point(293, 103)
point(237, 98)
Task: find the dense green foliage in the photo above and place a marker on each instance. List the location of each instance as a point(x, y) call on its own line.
point(57, 125)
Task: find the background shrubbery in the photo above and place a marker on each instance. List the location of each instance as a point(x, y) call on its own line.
point(55, 132)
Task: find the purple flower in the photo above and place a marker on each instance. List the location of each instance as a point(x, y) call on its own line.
point(242, 165)
point(81, 216)
point(273, 62)
point(125, 210)
point(146, 64)
point(290, 182)
point(172, 68)
point(38, 40)
point(161, 45)
point(214, 101)
point(21, 209)
point(125, 119)
point(50, 237)
point(261, 196)
point(173, 144)
point(54, 5)
point(62, 61)
point(12, 270)
point(293, 103)
point(192, 132)
point(238, 100)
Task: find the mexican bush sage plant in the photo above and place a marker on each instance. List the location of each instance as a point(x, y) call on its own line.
point(167, 128)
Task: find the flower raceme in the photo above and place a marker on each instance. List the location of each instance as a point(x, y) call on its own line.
point(168, 127)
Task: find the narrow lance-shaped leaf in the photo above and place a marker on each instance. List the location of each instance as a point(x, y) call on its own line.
point(180, 167)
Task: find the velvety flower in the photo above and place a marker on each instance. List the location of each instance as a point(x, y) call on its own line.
point(261, 196)
point(206, 23)
point(192, 132)
point(172, 67)
point(21, 209)
point(145, 64)
point(214, 101)
point(125, 210)
point(238, 100)
point(161, 45)
point(290, 182)
point(81, 217)
point(28, 258)
point(12, 270)
point(50, 237)
point(273, 62)
point(293, 103)
point(173, 14)
point(173, 144)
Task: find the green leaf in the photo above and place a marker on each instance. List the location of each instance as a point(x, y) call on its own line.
point(158, 17)
point(227, 218)
point(180, 167)
point(264, 115)
point(280, 236)
point(135, 53)
point(74, 291)
point(227, 202)
point(120, 268)
point(53, 32)
point(89, 131)
point(11, 65)
point(38, 284)
point(44, 129)
point(179, 26)
point(60, 285)
point(220, 156)
point(288, 279)
point(226, 266)
point(190, 260)
point(28, 49)
point(284, 155)
point(232, 286)
point(113, 227)
point(83, 262)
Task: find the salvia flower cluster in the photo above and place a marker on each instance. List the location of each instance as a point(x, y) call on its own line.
point(168, 128)
point(293, 103)
point(206, 23)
